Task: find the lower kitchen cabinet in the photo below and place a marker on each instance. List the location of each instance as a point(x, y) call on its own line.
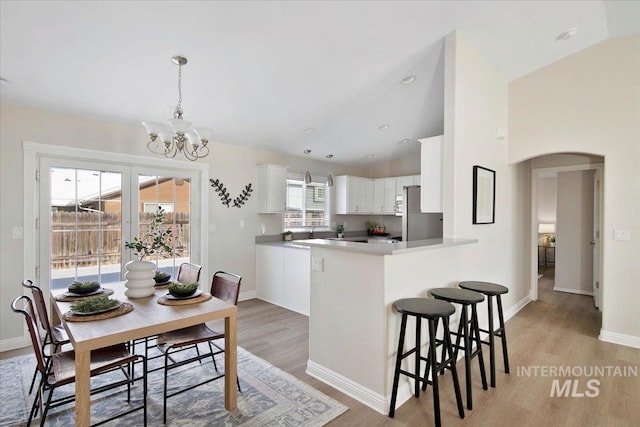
point(283, 276)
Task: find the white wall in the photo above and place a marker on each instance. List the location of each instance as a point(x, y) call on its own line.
point(547, 200)
point(574, 229)
point(590, 103)
point(231, 247)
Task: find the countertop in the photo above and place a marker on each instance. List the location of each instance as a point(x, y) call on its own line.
point(288, 244)
point(375, 248)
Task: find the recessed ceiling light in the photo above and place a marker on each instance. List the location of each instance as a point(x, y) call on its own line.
point(368, 156)
point(307, 151)
point(329, 156)
point(404, 141)
point(308, 130)
point(383, 127)
point(407, 80)
point(566, 35)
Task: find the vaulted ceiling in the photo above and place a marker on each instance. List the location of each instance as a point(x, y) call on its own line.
point(281, 75)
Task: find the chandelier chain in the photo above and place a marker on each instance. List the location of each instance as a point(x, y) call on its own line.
point(180, 86)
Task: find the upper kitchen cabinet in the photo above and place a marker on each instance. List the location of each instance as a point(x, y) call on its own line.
point(354, 195)
point(271, 188)
point(384, 196)
point(431, 167)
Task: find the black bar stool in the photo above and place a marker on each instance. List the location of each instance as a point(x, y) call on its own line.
point(432, 310)
point(492, 290)
point(468, 330)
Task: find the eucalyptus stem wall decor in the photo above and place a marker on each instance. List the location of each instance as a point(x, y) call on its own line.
point(225, 198)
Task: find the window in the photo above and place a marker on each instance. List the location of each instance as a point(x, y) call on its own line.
point(307, 204)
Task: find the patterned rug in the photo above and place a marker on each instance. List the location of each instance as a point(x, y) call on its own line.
point(269, 397)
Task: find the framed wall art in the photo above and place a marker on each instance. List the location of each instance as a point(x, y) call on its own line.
point(484, 195)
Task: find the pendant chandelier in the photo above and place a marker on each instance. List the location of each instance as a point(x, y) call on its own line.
point(178, 136)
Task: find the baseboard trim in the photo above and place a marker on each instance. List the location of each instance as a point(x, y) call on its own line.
point(14, 343)
point(514, 309)
point(368, 397)
point(621, 339)
point(244, 296)
point(573, 291)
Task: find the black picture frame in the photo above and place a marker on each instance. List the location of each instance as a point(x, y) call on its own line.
point(484, 195)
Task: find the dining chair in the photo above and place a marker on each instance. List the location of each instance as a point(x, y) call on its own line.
point(60, 369)
point(55, 336)
point(188, 273)
point(225, 286)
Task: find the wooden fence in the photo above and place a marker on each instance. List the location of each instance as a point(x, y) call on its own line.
point(81, 239)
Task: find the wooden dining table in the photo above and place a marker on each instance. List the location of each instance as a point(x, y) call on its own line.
point(147, 318)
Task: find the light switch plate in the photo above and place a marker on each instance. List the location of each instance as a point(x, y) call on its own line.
point(317, 264)
point(624, 235)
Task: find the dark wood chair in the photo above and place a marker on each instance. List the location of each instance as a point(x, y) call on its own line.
point(225, 286)
point(188, 273)
point(59, 369)
point(55, 336)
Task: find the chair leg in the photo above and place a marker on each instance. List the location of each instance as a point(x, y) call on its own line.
point(434, 370)
point(46, 407)
point(164, 393)
point(396, 375)
point(467, 356)
point(144, 390)
point(492, 348)
point(503, 335)
point(476, 330)
point(454, 373)
point(416, 386)
point(427, 369)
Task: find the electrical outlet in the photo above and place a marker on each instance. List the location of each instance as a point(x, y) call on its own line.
point(317, 264)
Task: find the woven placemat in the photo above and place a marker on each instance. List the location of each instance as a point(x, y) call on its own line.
point(123, 309)
point(64, 298)
point(197, 300)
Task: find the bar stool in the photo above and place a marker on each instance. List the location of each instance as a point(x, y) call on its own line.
point(468, 330)
point(492, 290)
point(432, 310)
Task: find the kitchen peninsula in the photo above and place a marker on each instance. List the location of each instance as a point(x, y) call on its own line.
point(353, 329)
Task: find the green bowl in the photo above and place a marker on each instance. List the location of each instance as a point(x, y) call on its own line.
point(83, 287)
point(162, 277)
point(183, 289)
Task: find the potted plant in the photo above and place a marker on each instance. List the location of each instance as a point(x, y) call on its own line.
point(287, 235)
point(140, 274)
point(551, 238)
point(370, 227)
point(340, 230)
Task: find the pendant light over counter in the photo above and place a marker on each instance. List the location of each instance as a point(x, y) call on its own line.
point(307, 174)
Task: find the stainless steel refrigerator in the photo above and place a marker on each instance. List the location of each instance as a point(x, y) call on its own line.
point(415, 224)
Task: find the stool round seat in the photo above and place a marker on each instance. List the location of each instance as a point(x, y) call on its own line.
point(424, 307)
point(459, 296)
point(486, 288)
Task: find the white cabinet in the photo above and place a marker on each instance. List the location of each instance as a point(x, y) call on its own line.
point(271, 188)
point(269, 273)
point(417, 179)
point(296, 283)
point(384, 196)
point(354, 195)
point(283, 276)
point(431, 168)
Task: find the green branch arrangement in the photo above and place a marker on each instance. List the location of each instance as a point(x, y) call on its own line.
point(225, 198)
point(154, 241)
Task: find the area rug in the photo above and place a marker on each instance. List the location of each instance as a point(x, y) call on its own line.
point(269, 397)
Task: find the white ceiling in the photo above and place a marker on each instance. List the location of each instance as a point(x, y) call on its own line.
point(259, 73)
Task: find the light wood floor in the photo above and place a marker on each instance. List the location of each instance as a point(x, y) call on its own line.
point(559, 329)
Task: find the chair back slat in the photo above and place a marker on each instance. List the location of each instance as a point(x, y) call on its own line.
point(30, 318)
point(189, 273)
point(41, 306)
point(226, 286)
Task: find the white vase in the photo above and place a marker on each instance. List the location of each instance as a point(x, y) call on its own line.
point(340, 235)
point(140, 282)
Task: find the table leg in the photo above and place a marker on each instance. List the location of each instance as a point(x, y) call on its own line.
point(83, 396)
point(230, 362)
